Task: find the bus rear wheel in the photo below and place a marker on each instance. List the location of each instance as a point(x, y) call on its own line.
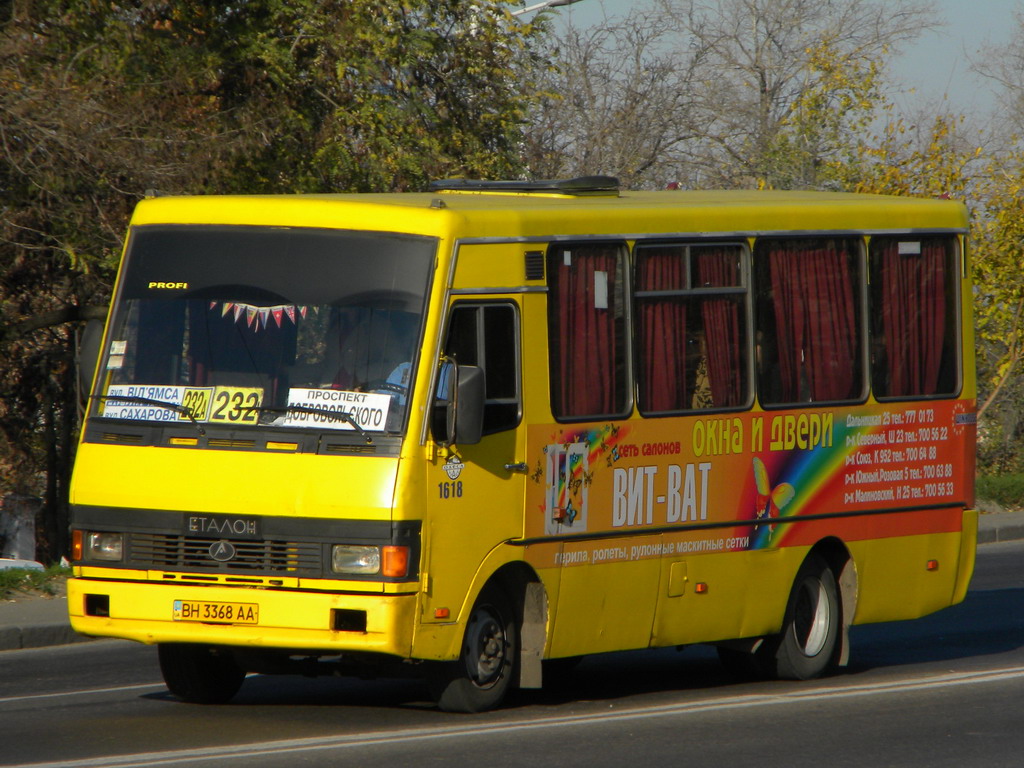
point(200, 674)
point(806, 648)
point(481, 677)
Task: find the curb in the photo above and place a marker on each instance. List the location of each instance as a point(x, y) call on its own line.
point(1004, 532)
point(38, 636)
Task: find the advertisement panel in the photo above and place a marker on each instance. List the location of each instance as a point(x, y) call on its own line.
point(745, 481)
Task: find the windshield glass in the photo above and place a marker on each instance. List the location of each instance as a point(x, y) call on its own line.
point(260, 326)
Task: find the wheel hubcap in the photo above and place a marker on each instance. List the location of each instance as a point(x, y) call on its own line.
point(485, 647)
point(813, 618)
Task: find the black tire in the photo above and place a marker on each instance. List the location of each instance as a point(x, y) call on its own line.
point(200, 674)
point(806, 648)
point(481, 677)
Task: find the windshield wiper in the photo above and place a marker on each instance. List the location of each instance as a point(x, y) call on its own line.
point(176, 407)
point(339, 415)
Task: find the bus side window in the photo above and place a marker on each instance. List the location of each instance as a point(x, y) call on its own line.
point(691, 327)
point(588, 358)
point(809, 339)
point(487, 335)
point(913, 311)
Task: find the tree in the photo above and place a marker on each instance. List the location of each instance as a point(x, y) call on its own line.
point(763, 61)
point(997, 260)
point(100, 101)
point(736, 93)
point(818, 140)
point(617, 101)
point(998, 248)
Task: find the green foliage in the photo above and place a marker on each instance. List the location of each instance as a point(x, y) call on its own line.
point(1005, 490)
point(18, 582)
point(817, 140)
point(999, 305)
point(101, 100)
point(425, 89)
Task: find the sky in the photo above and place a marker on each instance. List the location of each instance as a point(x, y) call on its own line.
point(934, 69)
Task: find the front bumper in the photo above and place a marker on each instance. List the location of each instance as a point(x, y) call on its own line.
point(305, 621)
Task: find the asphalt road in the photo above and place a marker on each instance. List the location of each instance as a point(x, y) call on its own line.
point(945, 690)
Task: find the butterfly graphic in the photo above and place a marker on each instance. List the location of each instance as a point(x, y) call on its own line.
point(770, 501)
point(565, 515)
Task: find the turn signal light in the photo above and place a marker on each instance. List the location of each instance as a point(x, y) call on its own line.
point(395, 561)
point(932, 565)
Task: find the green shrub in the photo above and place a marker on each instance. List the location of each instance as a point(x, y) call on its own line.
point(23, 581)
point(1006, 490)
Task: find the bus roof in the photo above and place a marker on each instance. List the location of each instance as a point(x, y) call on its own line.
point(513, 214)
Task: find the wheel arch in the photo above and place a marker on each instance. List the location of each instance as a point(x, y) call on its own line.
point(529, 598)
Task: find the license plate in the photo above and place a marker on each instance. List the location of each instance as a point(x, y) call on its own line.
point(216, 613)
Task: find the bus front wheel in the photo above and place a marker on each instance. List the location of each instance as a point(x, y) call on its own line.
point(806, 648)
point(199, 674)
point(481, 677)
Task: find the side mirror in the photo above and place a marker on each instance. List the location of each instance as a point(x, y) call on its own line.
point(459, 408)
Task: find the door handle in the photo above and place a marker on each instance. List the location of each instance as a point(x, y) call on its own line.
point(521, 466)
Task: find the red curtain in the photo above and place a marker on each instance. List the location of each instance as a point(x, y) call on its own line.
point(815, 319)
point(913, 316)
point(587, 362)
point(832, 347)
point(719, 268)
point(662, 330)
point(784, 263)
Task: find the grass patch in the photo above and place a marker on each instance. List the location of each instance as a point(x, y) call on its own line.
point(1005, 490)
point(21, 582)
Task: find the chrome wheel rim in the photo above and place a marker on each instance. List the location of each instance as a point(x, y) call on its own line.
point(812, 618)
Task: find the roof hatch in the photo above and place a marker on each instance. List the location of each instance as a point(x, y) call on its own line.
point(582, 185)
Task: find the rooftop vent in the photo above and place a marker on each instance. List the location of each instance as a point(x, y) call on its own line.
point(583, 185)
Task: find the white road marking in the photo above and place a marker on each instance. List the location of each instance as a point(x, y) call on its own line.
point(278, 748)
point(83, 692)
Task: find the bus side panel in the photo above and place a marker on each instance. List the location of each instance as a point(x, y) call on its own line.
point(705, 498)
point(895, 581)
point(741, 595)
point(602, 607)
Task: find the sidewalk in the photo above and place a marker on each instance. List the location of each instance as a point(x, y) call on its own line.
point(35, 622)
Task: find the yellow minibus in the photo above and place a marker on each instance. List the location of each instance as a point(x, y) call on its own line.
point(462, 432)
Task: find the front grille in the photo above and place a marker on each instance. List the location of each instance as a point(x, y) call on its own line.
point(119, 437)
point(218, 442)
point(193, 553)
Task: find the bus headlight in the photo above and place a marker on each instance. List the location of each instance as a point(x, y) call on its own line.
point(103, 546)
point(390, 561)
point(355, 560)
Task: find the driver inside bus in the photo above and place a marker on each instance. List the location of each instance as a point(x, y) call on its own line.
point(377, 352)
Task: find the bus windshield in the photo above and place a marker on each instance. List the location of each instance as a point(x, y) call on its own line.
point(259, 326)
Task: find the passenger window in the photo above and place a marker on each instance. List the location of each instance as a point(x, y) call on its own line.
point(587, 331)
point(913, 317)
point(809, 344)
point(691, 330)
